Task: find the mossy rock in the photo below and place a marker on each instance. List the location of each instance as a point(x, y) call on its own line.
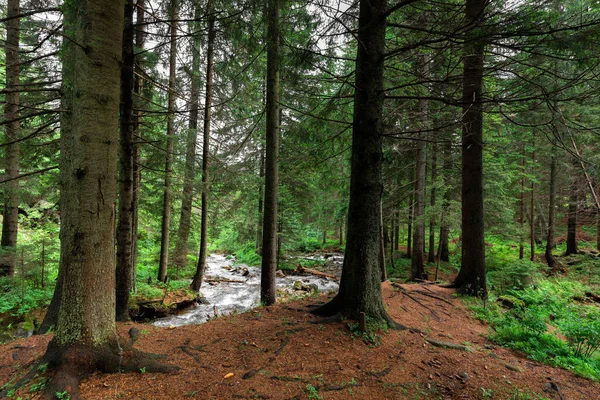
point(510, 302)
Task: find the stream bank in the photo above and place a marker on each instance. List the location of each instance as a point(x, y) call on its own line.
point(229, 289)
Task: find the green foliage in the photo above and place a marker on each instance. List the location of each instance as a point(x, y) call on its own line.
point(520, 395)
point(541, 317)
point(372, 334)
point(401, 270)
point(247, 255)
point(312, 392)
point(63, 395)
point(20, 298)
point(512, 274)
point(582, 331)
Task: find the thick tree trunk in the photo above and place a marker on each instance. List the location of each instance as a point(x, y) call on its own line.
point(166, 211)
point(124, 226)
point(183, 232)
point(10, 214)
point(269, 250)
point(360, 286)
point(201, 265)
point(472, 276)
point(572, 213)
point(445, 227)
point(86, 338)
point(433, 194)
point(551, 212)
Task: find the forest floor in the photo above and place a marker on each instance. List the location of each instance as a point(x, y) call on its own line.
point(283, 352)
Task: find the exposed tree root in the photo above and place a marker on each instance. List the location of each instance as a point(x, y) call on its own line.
point(335, 312)
point(72, 364)
point(21, 382)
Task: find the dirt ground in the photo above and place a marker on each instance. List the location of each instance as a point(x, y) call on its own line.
point(279, 352)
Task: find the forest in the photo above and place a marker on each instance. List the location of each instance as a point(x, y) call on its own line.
point(290, 199)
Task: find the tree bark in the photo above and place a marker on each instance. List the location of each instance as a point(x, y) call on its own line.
point(383, 243)
point(360, 286)
point(522, 207)
point(433, 194)
point(551, 213)
point(444, 249)
point(418, 251)
point(261, 184)
point(532, 220)
point(140, 38)
point(10, 214)
point(409, 227)
point(598, 226)
point(183, 232)
point(166, 211)
point(201, 265)
point(86, 338)
point(269, 249)
point(89, 136)
point(472, 276)
point(572, 213)
point(124, 226)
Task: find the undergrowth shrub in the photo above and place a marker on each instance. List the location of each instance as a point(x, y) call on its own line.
point(247, 255)
point(19, 298)
point(513, 274)
point(548, 326)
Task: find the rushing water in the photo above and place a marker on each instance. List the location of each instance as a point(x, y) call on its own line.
point(241, 295)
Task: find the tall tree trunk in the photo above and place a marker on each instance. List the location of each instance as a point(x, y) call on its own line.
point(183, 233)
point(166, 211)
point(551, 212)
point(10, 214)
point(472, 276)
point(360, 286)
point(86, 337)
point(522, 207)
point(572, 212)
point(261, 184)
point(532, 220)
point(124, 226)
point(433, 194)
point(269, 253)
point(445, 227)
point(418, 251)
point(397, 230)
point(411, 201)
point(140, 38)
point(383, 242)
point(393, 247)
point(201, 265)
point(89, 136)
point(598, 226)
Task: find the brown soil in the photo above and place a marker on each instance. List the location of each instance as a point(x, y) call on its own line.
point(277, 353)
